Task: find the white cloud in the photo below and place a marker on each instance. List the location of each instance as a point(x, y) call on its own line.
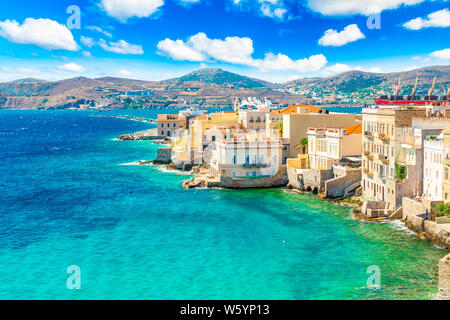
point(87, 54)
point(199, 48)
point(235, 50)
point(21, 71)
point(232, 49)
point(88, 42)
point(339, 68)
point(98, 29)
point(411, 68)
point(178, 50)
point(282, 62)
point(333, 38)
point(124, 73)
point(121, 47)
point(443, 54)
point(439, 18)
point(374, 70)
point(72, 67)
point(122, 10)
point(342, 67)
point(44, 33)
point(351, 7)
point(275, 9)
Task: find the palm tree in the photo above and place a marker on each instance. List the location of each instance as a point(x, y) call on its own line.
point(302, 144)
point(279, 127)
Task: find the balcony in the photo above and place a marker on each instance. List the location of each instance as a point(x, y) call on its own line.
point(254, 165)
point(366, 153)
point(368, 172)
point(368, 134)
point(384, 159)
point(384, 137)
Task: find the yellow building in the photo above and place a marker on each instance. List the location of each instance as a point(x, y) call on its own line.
point(296, 125)
point(194, 146)
point(326, 147)
point(392, 162)
point(446, 181)
point(274, 118)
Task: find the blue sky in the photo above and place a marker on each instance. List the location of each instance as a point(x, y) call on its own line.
point(275, 40)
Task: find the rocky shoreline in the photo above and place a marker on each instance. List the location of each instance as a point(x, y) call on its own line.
point(150, 134)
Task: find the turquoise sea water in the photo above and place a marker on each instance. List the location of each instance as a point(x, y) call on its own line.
point(67, 199)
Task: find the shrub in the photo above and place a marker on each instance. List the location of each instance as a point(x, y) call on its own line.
point(400, 172)
point(443, 210)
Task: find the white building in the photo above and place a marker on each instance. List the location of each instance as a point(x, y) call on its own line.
point(254, 119)
point(328, 146)
point(246, 155)
point(433, 167)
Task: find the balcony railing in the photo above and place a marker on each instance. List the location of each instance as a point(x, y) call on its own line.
point(254, 165)
point(384, 159)
point(368, 134)
point(384, 137)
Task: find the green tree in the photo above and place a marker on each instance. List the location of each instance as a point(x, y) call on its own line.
point(279, 127)
point(302, 145)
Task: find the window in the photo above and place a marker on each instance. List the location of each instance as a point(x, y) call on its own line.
point(247, 174)
point(234, 174)
point(446, 173)
point(162, 132)
point(162, 125)
point(254, 173)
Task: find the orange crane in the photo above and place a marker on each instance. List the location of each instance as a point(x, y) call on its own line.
point(413, 93)
point(397, 88)
point(432, 87)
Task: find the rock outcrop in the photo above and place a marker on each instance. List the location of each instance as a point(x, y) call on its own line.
point(141, 135)
point(164, 156)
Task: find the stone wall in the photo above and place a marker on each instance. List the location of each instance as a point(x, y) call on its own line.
point(336, 187)
point(164, 156)
point(444, 278)
point(294, 178)
point(414, 218)
point(278, 180)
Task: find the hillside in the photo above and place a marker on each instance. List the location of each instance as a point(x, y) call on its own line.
point(212, 88)
point(359, 81)
point(224, 78)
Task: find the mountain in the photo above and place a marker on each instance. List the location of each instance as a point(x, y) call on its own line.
point(359, 81)
point(213, 87)
point(224, 78)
